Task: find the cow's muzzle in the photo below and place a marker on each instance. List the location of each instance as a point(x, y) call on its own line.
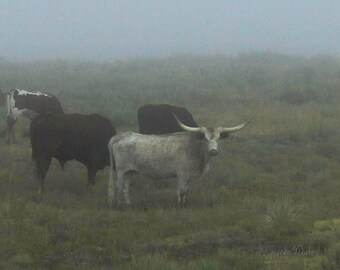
point(213, 152)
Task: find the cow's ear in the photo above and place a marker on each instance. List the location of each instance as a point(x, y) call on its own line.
point(200, 136)
point(224, 135)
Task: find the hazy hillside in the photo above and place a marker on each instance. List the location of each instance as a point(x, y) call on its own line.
point(271, 197)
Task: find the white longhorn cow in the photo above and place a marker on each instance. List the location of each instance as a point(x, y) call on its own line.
point(184, 155)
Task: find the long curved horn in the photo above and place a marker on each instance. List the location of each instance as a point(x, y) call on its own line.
point(236, 128)
point(186, 128)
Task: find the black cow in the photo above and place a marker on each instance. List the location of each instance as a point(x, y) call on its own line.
point(29, 104)
point(70, 136)
point(159, 119)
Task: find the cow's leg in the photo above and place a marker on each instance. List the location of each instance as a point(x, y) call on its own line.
point(120, 184)
point(182, 196)
point(10, 129)
point(182, 190)
point(111, 187)
point(123, 183)
point(42, 166)
point(126, 191)
point(111, 190)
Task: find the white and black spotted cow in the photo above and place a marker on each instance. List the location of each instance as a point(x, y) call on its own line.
point(29, 104)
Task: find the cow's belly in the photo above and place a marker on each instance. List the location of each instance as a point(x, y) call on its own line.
point(156, 169)
point(158, 174)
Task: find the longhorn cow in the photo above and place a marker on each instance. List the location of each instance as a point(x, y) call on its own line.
point(183, 155)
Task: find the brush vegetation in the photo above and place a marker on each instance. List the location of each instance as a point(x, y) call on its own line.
point(269, 201)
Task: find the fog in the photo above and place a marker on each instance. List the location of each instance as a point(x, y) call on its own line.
point(121, 29)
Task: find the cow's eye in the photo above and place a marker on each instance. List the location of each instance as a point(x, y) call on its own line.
point(224, 135)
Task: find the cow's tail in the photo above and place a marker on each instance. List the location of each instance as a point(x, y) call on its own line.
point(111, 187)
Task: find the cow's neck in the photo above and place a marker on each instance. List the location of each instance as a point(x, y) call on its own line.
point(197, 149)
point(203, 153)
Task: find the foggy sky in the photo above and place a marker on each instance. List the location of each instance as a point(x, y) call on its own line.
point(120, 29)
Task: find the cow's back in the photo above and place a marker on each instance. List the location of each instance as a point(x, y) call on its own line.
point(159, 119)
point(36, 101)
point(51, 105)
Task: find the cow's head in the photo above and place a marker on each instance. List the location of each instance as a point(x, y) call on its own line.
point(211, 134)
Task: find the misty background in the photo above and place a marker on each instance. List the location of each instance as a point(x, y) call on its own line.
point(121, 29)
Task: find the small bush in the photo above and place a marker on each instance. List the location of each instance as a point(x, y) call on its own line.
point(325, 233)
point(282, 223)
point(282, 212)
point(321, 241)
point(332, 258)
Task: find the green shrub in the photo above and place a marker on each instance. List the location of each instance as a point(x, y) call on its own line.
point(282, 223)
point(332, 258)
point(282, 212)
point(325, 234)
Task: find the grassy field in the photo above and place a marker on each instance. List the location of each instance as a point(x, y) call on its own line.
point(269, 201)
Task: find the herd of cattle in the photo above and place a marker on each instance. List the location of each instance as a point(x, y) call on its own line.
point(170, 143)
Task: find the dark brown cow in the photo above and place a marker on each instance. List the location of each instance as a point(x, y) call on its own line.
point(29, 104)
point(67, 137)
point(159, 119)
